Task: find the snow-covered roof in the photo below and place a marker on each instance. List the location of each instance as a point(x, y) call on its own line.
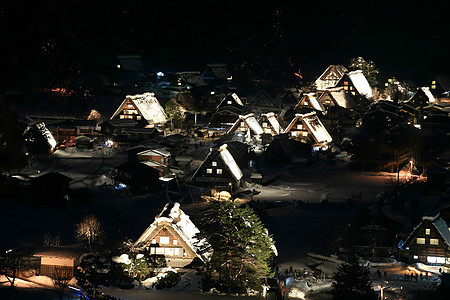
point(273, 122)
point(147, 105)
point(251, 122)
point(315, 126)
point(183, 226)
point(192, 77)
point(46, 134)
point(157, 151)
point(341, 97)
point(330, 77)
point(230, 162)
point(438, 223)
point(219, 70)
point(360, 82)
point(313, 100)
point(428, 93)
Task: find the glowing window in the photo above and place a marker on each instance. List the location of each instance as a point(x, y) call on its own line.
point(159, 250)
point(219, 171)
point(427, 231)
point(345, 82)
point(175, 242)
point(176, 251)
point(208, 171)
point(415, 257)
point(434, 242)
point(164, 239)
point(214, 163)
point(300, 126)
point(264, 124)
point(242, 124)
point(421, 241)
point(433, 87)
point(229, 102)
point(154, 241)
point(168, 251)
point(138, 118)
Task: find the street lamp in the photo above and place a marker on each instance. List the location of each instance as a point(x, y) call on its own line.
point(381, 291)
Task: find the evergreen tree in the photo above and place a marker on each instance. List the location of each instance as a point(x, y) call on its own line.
point(351, 281)
point(368, 67)
point(242, 247)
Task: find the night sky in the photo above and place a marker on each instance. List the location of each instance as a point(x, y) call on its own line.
point(406, 39)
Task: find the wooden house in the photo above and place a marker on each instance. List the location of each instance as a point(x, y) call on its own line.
point(173, 235)
point(55, 258)
point(336, 97)
point(308, 126)
point(429, 242)
point(219, 169)
point(216, 74)
point(111, 127)
point(157, 158)
point(422, 97)
point(330, 77)
point(227, 110)
point(142, 108)
point(263, 102)
point(38, 138)
point(439, 86)
point(269, 123)
point(140, 177)
point(310, 100)
point(355, 83)
point(246, 126)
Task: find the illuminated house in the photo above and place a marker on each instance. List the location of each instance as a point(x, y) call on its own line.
point(308, 125)
point(439, 86)
point(227, 110)
point(157, 158)
point(422, 97)
point(173, 235)
point(247, 126)
point(217, 74)
point(330, 78)
point(219, 169)
point(55, 258)
point(429, 242)
point(270, 124)
point(310, 100)
point(141, 107)
point(336, 97)
point(355, 83)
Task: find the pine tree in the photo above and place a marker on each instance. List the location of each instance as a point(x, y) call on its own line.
point(351, 281)
point(242, 247)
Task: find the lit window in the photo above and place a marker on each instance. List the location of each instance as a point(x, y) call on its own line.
point(176, 251)
point(242, 124)
point(300, 126)
point(219, 171)
point(304, 133)
point(434, 242)
point(345, 82)
point(175, 242)
point(138, 118)
point(122, 116)
point(164, 239)
point(433, 87)
point(427, 231)
point(159, 250)
point(214, 163)
point(229, 102)
point(415, 257)
point(168, 251)
point(346, 88)
point(433, 82)
point(154, 241)
point(421, 241)
point(264, 124)
point(208, 171)
point(440, 260)
point(431, 259)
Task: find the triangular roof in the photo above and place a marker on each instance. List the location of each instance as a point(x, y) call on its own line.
point(314, 126)
point(311, 99)
point(231, 99)
point(330, 77)
point(438, 223)
point(147, 106)
point(219, 71)
point(251, 122)
point(228, 160)
point(179, 224)
point(339, 97)
point(273, 121)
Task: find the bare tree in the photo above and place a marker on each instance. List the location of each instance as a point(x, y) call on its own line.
point(10, 266)
point(50, 240)
point(89, 229)
point(61, 278)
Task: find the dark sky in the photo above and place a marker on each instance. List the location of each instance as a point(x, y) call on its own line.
point(408, 39)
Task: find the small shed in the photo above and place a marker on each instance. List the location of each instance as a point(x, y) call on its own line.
point(58, 257)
